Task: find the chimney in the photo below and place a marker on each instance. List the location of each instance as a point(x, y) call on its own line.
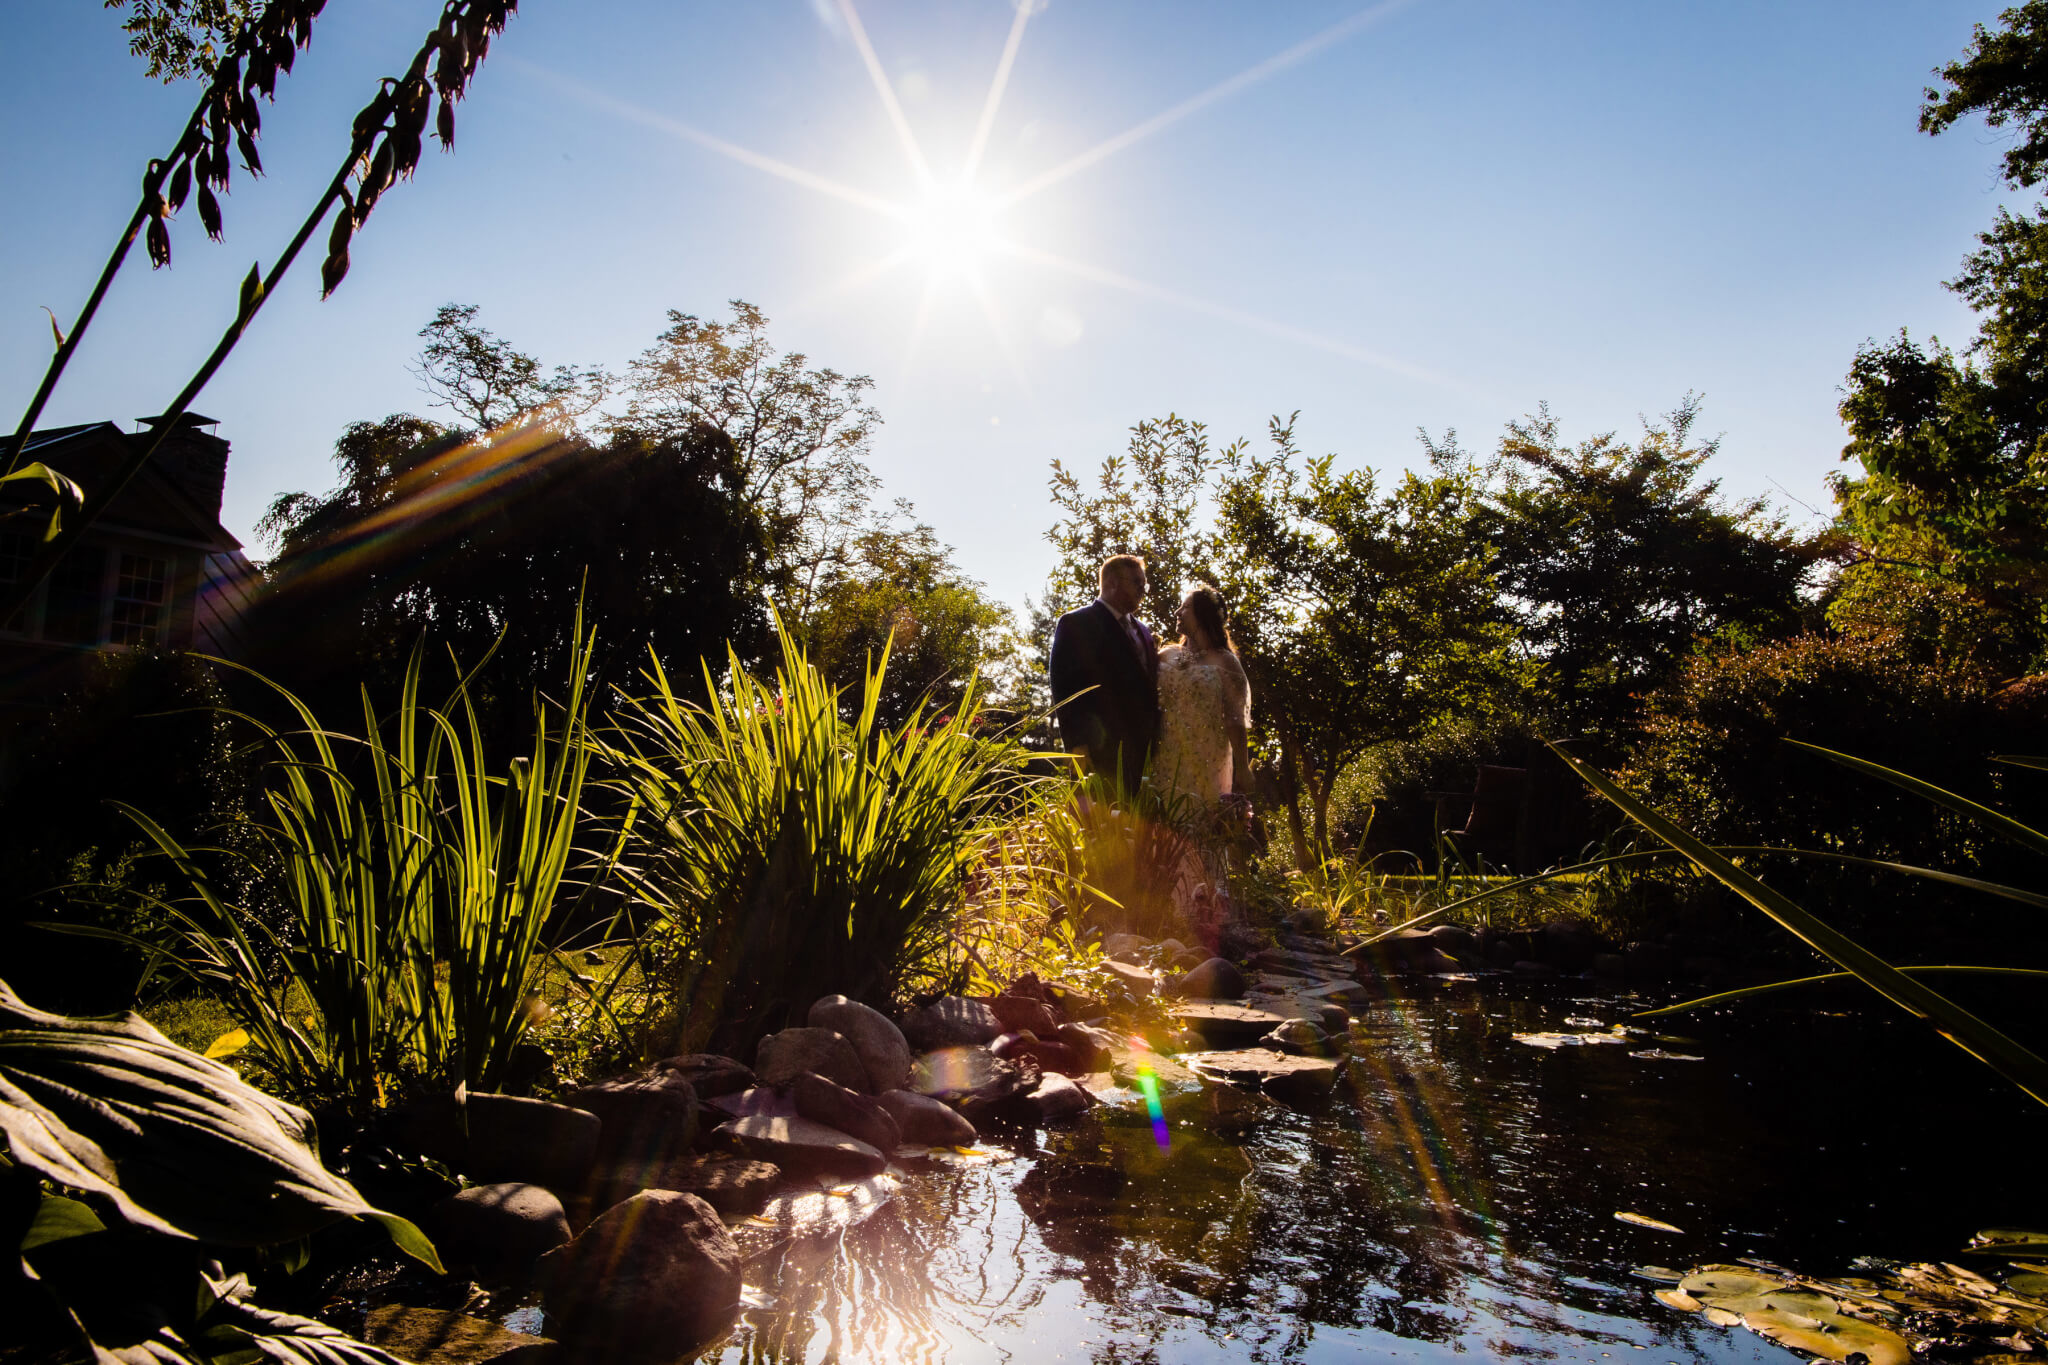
point(193, 461)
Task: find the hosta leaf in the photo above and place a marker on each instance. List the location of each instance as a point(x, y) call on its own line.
point(163, 1138)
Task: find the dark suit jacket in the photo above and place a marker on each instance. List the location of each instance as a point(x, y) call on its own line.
point(1116, 722)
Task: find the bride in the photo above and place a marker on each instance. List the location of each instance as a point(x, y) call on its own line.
point(1205, 708)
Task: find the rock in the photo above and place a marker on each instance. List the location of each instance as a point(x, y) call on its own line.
point(1501, 953)
point(1528, 968)
point(1091, 1046)
point(1126, 946)
point(858, 1116)
point(1137, 982)
point(1649, 961)
point(648, 1118)
point(1222, 1025)
point(495, 1138)
point(1570, 944)
point(498, 1230)
point(884, 1052)
point(802, 1147)
point(1436, 960)
point(961, 1074)
point(1170, 948)
point(1609, 965)
point(1023, 1014)
point(951, 1021)
point(441, 1336)
point(769, 1101)
point(1456, 940)
point(735, 1186)
point(656, 1276)
point(1297, 1080)
point(1055, 1098)
point(1350, 994)
point(1213, 979)
point(786, 1055)
point(1298, 1036)
point(1077, 1005)
point(923, 1120)
point(708, 1074)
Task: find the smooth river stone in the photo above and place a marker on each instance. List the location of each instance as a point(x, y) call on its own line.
point(801, 1147)
point(1279, 1074)
point(1221, 1023)
point(880, 1044)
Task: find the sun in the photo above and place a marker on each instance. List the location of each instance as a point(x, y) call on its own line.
point(953, 230)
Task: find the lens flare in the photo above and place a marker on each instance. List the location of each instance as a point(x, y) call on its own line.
point(1148, 1085)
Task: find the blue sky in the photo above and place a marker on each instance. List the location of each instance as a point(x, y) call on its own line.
point(1432, 214)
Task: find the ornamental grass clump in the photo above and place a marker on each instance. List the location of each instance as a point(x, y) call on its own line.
point(792, 845)
point(416, 888)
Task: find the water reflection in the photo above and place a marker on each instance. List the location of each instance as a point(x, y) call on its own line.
point(1456, 1198)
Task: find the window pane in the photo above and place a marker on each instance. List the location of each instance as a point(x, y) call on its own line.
point(73, 614)
point(139, 593)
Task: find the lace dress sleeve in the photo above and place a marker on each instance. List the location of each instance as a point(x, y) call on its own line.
point(1237, 692)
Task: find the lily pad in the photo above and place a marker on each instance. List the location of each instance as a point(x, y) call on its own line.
point(1645, 1221)
point(1661, 1274)
point(2031, 1283)
point(1728, 1282)
point(1832, 1338)
point(1721, 1317)
point(1679, 1299)
point(1658, 1054)
point(1552, 1041)
point(2013, 1242)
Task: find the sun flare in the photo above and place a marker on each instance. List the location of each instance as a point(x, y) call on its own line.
point(953, 230)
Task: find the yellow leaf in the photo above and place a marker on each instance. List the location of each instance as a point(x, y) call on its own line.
point(229, 1043)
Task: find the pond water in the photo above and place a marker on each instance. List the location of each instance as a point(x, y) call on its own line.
point(1457, 1201)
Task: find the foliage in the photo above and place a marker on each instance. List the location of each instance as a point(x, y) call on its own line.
point(792, 851)
point(418, 888)
point(166, 1152)
point(487, 384)
point(2004, 76)
point(1616, 559)
point(1380, 808)
point(898, 589)
point(485, 537)
point(180, 38)
point(135, 726)
point(1148, 501)
point(799, 435)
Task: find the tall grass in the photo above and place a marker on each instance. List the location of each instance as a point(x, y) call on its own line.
point(793, 845)
point(416, 888)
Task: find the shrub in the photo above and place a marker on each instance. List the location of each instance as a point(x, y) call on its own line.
point(792, 851)
point(1380, 808)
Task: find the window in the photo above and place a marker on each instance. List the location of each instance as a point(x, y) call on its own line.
point(15, 553)
point(77, 588)
point(139, 596)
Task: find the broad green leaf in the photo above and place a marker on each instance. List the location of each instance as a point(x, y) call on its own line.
point(59, 1219)
point(229, 1043)
point(2016, 1063)
point(162, 1138)
point(1744, 992)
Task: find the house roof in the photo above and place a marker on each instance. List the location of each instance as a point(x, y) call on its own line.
point(168, 498)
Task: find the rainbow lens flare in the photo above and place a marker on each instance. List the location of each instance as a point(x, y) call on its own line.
point(1148, 1085)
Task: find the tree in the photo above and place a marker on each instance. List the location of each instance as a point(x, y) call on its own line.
point(898, 586)
point(1617, 558)
point(1148, 501)
point(799, 435)
point(2004, 76)
point(180, 38)
point(488, 384)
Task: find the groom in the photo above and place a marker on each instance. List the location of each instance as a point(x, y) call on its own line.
point(1104, 654)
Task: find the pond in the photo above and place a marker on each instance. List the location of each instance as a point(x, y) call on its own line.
point(1457, 1201)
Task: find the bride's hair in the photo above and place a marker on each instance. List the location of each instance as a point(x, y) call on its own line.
point(1210, 616)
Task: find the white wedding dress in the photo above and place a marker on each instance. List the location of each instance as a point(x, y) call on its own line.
point(1203, 697)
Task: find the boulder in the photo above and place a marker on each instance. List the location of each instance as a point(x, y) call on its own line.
point(498, 1231)
point(1170, 948)
point(1221, 1025)
point(1298, 1036)
point(951, 1021)
point(1214, 979)
point(1570, 944)
point(923, 1120)
point(735, 1186)
point(959, 1073)
point(1501, 953)
point(802, 1147)
point(1124, 946)
point(823, 1101)
point(654, 1277)
point(1137, 982)
point(708, 1074)
point(1609, 965)
point(1077, 1005)
point(772, 1101)
point(1528, 968)
point(495, 1138)
point(786, 1055)
point(1456, 940)
point(1091, 1046)
point(1055, 1098)
point(1024, 1014)
point(647, 1118)
point(1296, 1080)
point(884, 1052)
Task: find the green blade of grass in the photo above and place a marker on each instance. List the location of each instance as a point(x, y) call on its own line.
point(1642, 856)
point(2005, 1056)
point(1961, 805)
point(2021, 761)
point(1723, 997)
point(1999, 889)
